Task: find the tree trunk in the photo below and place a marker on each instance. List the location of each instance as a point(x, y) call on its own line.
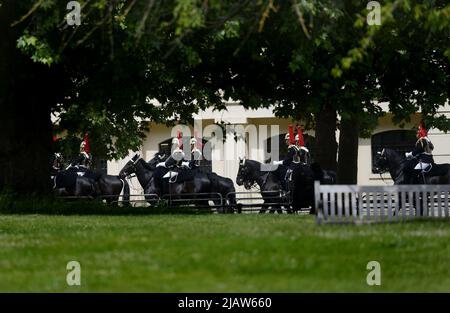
point(326, 145)
point(347, 172)
point(26, 95)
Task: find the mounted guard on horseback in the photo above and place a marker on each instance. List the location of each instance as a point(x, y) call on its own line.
point(82, 164)
point(78, 180)
point(420, 160)
point(84, 159)
point(284, 172)
point(417, 166)
point(196, 154)
point(297, 154)
point(176, 168)
point(303, 151)
point(207, 184)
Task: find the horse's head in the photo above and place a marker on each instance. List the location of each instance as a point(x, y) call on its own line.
point(130, 167)
point(381, 163)
point(159, 157)
point(244, 175)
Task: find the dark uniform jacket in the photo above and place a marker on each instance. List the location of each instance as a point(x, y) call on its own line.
point(83, 159)
point(423, 150)
point(292, 156)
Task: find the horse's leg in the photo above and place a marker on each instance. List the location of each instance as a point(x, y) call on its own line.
point(421, 203)
point(231, 202)
point(287, 200)
point(278, 206)
point(219, 206)
point(279, 210)
point(263, 207)
point(288, 209)
point(272, 209)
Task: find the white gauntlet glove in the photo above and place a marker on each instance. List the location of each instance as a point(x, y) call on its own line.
point(277, 162)
point(163, 164)
point(409, 155)
point(185, 163)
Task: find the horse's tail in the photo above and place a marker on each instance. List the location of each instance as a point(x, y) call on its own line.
point(125, 193)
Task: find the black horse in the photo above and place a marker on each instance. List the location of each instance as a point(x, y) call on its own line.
point(269, 184)
point(389, 160)
point(112, 186)
point(70, 184)
point(298, 185)
point(219, 184)
point(80, 182)
point(225, 187)
point(201, 183)
point(144, 174)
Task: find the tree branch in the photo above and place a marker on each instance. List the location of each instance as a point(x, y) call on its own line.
point(301, 19)
point(24, 17)
point(141, 26)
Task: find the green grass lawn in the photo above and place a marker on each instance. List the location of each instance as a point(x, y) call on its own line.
point(219, 253)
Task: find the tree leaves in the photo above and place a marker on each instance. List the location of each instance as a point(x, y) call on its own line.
point(38, 50)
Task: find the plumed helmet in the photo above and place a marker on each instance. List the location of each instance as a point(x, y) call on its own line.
point(175, 141)
point(286, 137)
point(83, 144)
point(296, 137)
point(422, 131)
point(193, 141)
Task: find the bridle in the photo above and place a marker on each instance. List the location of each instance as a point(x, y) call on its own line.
point(133, 167)
point(384, 169)
point(244, 175)
point(251, 183)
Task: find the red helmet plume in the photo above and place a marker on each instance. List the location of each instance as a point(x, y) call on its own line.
point(291, 135)
point(301, 140)
point(87, 147)
point(180, 140)
point(422, 132)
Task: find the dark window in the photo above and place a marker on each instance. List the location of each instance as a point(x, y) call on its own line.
point(310, 143)
point(399, 140)
point(205, 164)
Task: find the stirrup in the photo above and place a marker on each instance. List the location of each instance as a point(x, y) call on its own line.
point(426, 170)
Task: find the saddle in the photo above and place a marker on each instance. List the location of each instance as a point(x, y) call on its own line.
point(180, 175)
point(172, 176)
point(88, 174)
point(423, 167)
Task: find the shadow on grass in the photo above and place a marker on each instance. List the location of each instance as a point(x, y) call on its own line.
point(35, 204)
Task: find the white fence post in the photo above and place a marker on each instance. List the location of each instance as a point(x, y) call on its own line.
point(343, 203)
